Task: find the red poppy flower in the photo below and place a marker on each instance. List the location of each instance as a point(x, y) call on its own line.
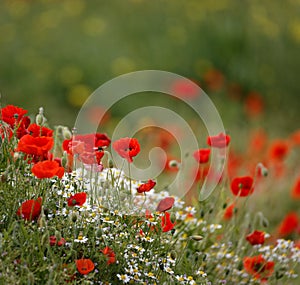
point(202, 155)
point(84, 266)
point(185, 88)
point(47, 169)
point(219, 141)
point(229, 211)
point(36, 146)
point(295, 138)
point(30, 209)
point(53, 241)
point(77, 199)
point(88, 143)
point(39, 131)
point(15, 118)
point(258, 267)
point(127, 148)
point(242, 186)
point(254, 104)
point(289, 224)
point(214, 80)
point(146, 187)
point(166, 222)
point(257, 141)
point(91, 157)
point(257, 237)
point(278, 150)
point(109, 253)
point(165, 204)
point(296, 189)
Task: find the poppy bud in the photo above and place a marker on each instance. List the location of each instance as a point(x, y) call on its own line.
point(64, 159)
point(197, 237)
point(264, 172)
point(110, 163)
point(173, 254)
point(67, 135)
point(40, 119)
point(173, 218)
point(174, 163)
point(74, 217)
point(99, 233)
point(265, 223)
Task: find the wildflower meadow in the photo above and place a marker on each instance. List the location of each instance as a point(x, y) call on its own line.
point(149, 142)
point(69, 216)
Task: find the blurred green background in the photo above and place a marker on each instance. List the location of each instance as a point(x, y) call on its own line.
point(55, 53)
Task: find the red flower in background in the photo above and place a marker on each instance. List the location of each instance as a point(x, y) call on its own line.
point(278, 150)
point(47, 169)
point(258, 267)
point(184, 88)
point(84, 266)
point(166, 222)
point(257, 141)
point(87, 147)
point(30, 209)
point(127, 148)
point(229, 211)
point(219, 141)
point(15, 118)
point(35, 146)
point(109, 253)
point(146, 187)
point(295, 138)
point(296, 189)
point(91, 157)
point(53, 241)
point(202, 155)
point(254, 104)
point(87, 143)
point(214, 80)
point(39, 131)
point(77, 199)
point(289, 224)
point(242, 186)
point(257, 237)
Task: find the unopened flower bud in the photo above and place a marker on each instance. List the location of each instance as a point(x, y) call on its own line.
point(110, 163)
point(66, 133)
point(40, 119)
point(74, 217)
point(173, 254)
point(64, 159)
point(197, 237)
point(265, 223)
point(99, 233)
point(173, 163)
point(16, 155)
point(173, 218)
